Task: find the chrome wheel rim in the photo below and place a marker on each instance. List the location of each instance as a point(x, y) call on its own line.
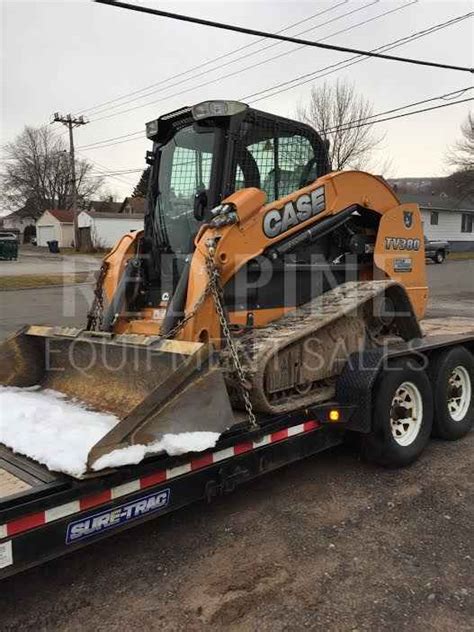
point(406, 413)
point(459, 393)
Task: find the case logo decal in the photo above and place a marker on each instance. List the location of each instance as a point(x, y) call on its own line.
point(278, 221)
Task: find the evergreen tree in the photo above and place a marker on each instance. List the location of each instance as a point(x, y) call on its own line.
point(142, 185)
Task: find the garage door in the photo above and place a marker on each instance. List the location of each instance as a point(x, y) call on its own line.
point(45, 234)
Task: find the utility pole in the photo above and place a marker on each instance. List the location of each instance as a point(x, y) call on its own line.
point(71, 122)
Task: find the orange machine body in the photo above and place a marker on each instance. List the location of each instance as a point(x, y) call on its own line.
point(398, 252)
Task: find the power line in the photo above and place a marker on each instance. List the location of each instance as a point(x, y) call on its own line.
point(350, 124)
point(261, 50)
point(350, 61)
point(104, 169)
point(391, 118)
point(120, 172)
point(118, 142)
point(307, 77)
point(106, 140)
point(215, 59)
point(260, 63)
point(372, 116)
point(282, 38)
point(253, 66)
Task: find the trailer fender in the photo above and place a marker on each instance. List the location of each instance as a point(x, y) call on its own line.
point(354, 386)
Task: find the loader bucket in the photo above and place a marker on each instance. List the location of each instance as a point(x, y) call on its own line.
point(153, 385)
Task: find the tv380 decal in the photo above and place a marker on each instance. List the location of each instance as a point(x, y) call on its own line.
point(401, 243)
point(104, 520)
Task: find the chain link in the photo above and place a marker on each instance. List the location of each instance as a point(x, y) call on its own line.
point(216, 291)
point(95, 316)
point(173, 332)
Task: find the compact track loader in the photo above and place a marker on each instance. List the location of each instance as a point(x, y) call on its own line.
point(258, 273)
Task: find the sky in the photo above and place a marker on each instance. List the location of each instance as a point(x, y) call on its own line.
point(72, 56)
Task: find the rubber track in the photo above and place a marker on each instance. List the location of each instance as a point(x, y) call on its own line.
point(258, 347)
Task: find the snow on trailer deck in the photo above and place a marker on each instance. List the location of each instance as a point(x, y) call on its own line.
point(59, 433)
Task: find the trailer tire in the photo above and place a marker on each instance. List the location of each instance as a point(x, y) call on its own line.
point(396, 441)
point(451, 374)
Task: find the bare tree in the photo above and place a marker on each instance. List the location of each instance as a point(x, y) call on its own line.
point(37, 171)
point(335, 111)
point(461, 154)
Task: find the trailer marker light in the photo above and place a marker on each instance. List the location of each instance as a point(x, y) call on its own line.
point(334, 415)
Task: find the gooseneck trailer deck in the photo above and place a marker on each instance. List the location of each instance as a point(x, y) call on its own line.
point(394, 396)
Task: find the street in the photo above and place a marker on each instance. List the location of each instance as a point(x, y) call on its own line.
point(330, 543)
point(451, 293)
point(33, 261)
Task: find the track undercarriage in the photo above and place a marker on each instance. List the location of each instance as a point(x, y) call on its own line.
point(293, 362)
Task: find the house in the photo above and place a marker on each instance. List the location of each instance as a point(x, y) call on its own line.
point(133, 206)
point(103, 206)
point(447, 212)
point(55, 224)
point(21, 222)
point(130, 206)
point(103, 230)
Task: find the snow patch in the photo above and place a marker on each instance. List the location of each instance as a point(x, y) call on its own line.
point(47, 427)
point(172, 444)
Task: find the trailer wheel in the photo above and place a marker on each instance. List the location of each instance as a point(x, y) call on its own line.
point(452, 377)
point(402, 415)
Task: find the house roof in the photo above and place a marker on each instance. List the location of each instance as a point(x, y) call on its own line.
point(436, 201)
point(21, 212)
point(64, 216)
point(105, 206)
point(137, 204)
point(434, 193)
point(115, 215)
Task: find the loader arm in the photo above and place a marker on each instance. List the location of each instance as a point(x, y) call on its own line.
point(261, 227)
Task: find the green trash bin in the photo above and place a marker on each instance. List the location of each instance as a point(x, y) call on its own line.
point(8, 246)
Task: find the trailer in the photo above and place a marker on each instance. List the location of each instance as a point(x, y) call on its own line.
point(395, 397)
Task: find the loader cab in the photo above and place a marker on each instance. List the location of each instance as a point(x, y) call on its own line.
point(202, 154)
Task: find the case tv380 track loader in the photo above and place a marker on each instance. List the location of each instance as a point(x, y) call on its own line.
point(257, 274)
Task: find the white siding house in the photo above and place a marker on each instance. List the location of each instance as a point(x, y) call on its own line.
point(447, 208)
point(56, 225)
point(105, 229)
point(457, 227)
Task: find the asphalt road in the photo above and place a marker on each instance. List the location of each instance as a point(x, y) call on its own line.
point(451, 292)
point(330, 543)
point(32, 261)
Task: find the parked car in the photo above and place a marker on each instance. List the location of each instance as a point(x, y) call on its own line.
point(8, 236)
point(436, 250)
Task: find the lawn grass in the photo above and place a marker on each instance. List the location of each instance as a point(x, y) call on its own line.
point(460, 256)
point(29, 281)
point(72, 251)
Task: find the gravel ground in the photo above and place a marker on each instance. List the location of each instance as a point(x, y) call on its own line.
point(330, 543)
